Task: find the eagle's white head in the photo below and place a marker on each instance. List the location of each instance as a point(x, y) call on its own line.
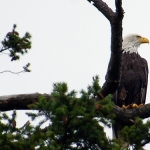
point(132, 42)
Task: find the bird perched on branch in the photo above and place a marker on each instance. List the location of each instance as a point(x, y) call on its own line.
point(131, 92)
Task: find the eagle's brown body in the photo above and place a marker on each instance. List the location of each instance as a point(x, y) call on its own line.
point(133, 84)
point(132, 88)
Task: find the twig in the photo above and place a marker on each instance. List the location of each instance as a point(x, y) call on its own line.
point(13, 72)
point(4, 49)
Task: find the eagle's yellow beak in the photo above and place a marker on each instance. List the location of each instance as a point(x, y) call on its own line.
point(144, 40)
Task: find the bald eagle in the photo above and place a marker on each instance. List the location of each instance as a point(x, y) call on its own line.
point(131, 92)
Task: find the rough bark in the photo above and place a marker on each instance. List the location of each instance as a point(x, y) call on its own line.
point(21, 102)
point(129, 115)
point(114, 67)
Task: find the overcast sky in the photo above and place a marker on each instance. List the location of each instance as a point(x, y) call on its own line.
point(70, 42)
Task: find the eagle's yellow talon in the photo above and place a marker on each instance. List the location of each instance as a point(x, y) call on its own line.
point(123, 106)
point(128, 107)
point(141, 105)
point(134, 106)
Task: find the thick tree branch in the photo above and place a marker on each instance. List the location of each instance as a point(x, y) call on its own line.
point(104, 9)
point(119, 9)
point(129, 115)
point(114, 67)
point(21, 102)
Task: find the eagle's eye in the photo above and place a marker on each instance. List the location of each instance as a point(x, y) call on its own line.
point(138, 36)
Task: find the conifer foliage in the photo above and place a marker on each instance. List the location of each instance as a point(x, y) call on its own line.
point(74, 123)
point(70, 122)
point(16, 46)
point(137, 135)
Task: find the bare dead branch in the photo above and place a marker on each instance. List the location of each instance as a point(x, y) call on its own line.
point(119, 9)
point(104, 9)
point(21, 102)
point(114, 67)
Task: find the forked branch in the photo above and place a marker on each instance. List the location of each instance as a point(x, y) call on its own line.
point(114, 67)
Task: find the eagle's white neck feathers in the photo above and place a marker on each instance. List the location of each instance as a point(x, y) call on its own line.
point(131, 43)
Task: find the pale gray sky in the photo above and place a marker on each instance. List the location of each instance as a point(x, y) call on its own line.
point(70, 42)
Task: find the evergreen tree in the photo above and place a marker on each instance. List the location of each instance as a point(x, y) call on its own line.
point(74, 123)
